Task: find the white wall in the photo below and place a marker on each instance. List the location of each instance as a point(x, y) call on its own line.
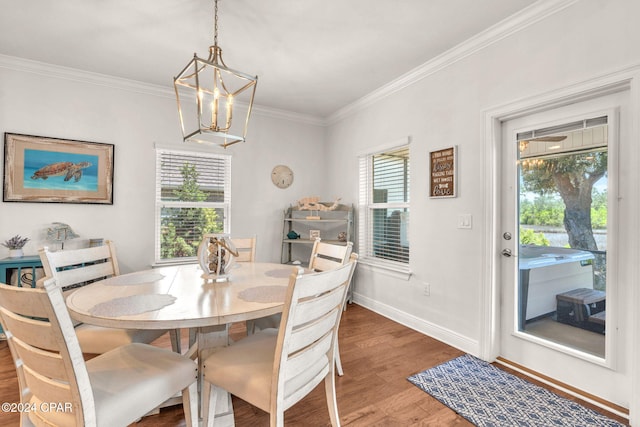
point(257, 206)
point(70, 107)
point(588, 39)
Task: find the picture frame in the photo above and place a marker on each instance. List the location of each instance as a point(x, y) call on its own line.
point(314, 234)
point(442, 173)
point(53, 170)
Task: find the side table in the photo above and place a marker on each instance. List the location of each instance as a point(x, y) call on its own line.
point(23, 263)
point(6, 264)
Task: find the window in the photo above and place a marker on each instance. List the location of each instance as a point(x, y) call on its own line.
point(193, 196)
point(384, 208)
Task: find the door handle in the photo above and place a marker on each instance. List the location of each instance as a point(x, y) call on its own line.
point(506, 252)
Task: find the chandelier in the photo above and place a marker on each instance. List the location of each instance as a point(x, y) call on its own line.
point(212, 98)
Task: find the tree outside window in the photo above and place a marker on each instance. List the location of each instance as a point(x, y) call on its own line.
point(192, 201)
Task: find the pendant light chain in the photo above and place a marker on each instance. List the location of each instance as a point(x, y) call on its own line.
point(215, 24)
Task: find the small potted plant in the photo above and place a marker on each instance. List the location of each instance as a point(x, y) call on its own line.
point(15, 245)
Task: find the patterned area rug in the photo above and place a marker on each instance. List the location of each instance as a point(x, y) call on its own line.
point(488, 396)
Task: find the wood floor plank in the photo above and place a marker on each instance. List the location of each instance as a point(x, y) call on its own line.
point(377, 355)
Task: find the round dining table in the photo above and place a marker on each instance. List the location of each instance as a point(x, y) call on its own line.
point(178, 297)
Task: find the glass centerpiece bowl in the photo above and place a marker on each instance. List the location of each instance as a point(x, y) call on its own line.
point(216, 255)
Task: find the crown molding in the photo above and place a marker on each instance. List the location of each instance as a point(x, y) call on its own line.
point(513, 24)
point(289, 115)
point(80, 76)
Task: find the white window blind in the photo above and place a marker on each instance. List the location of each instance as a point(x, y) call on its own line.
point(193, 197)
point(384, 208)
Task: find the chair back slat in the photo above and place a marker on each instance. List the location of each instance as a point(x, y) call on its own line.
point(332, 251)
point(308, 331)
point(31, 307)
point(46, 389)
point(35, 333)
point(305, 372)
point(67, 279)
point(49, 363)
point(313, 309)
point(71, 257)
point(246, 248)
point(77, 267)
point(323, 264)
point(301, 361)
point(327, 256)
point(303, 385)
point(315, 284)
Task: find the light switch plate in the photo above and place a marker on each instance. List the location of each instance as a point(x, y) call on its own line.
point(464, 221)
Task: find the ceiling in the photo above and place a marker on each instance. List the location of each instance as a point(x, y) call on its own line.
point(312, 57)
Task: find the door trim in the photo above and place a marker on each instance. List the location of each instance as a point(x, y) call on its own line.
point(623, 80)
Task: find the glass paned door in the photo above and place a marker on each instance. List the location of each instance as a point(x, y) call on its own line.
point(562, 220)
point(566, 225)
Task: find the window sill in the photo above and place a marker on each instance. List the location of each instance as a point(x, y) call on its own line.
point(400, 271)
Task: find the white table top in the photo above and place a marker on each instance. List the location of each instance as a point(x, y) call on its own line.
point(177, 297)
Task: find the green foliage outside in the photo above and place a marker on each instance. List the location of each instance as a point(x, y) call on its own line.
point(599, 209)
point(549, 209)
point(571, 177)
point(182, 228)
point(530, 237)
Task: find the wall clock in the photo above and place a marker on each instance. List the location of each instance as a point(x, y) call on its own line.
point(282, 176)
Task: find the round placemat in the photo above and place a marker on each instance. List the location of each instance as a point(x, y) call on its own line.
point(264, 294)
point(131, 305)
point(284, 272)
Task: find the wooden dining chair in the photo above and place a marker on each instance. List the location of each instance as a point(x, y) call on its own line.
point(115, 388)
point(246, 248)
point(74, 268)
point(274, 369)
point(324, 256)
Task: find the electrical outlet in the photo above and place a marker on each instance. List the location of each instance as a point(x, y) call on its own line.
point(427, 289)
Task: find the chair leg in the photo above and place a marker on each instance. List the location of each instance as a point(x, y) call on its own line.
point(251, 327)
point(276, 418)
point(332, 403)
point(192, 336)
point(190, 404)
point(176, 345)
point(338, 361)
point(210, 396)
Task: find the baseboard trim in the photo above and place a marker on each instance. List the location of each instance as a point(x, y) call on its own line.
point(587, 397)
point(432, 330)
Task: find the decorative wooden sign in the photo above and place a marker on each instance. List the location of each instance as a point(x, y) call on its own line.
point(442, 167)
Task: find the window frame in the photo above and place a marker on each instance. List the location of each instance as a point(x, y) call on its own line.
point(160, 204)
point(366, 206)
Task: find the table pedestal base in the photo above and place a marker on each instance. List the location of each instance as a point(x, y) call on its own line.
point(207, 340)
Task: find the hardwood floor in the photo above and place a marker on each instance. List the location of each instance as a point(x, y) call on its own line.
point(377, 355)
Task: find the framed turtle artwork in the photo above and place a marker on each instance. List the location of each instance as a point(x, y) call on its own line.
point(53, 170)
